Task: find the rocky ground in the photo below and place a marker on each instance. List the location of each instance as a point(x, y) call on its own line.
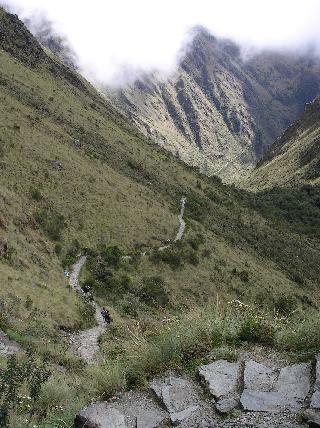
point(7, 346)
point(224, 395)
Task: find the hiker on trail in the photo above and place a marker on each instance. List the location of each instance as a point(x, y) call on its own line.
point(86, 288)
point(66, 273)
point(106, 316)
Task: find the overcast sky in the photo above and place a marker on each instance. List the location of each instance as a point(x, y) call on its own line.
point(145, 34)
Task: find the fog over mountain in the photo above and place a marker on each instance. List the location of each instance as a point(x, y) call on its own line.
point(114, 41)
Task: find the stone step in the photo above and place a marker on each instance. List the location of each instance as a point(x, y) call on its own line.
point(132, 410)
point(276, 394)
point(178, 396)
point(223, 381)
point(267, 391)
point(312, 415)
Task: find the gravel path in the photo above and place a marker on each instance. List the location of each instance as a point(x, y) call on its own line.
point(182, 223)
point(86, 343)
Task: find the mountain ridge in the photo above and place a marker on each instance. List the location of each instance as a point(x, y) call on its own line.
point(294, 159)
point(220, 112)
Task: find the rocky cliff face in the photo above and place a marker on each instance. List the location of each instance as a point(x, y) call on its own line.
point(220, 111)
point(295, 158)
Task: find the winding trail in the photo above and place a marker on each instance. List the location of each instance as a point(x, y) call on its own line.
point(86, 343)
point(182, 223)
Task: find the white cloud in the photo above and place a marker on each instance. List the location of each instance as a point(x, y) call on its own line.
point(110, 34)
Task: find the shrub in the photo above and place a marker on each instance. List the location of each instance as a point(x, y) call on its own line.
point(72, 253)
point(301, 336)
point(255, 330)
point(112, 256)
point(87, 314)
point(130, 305)
point(54, 393)
point(168, 256)
point(196, 241)
point(154, 292)
point(243, 275)
point(58, 248)
point(36, 194)
point(285, 304)
point(20, 385)
point(105, 380)
point(51, 222)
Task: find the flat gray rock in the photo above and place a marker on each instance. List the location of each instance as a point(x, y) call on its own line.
point(294, 383)
point(226, 405)
point(317, 384)
point(258, 377)
point(179, 397)
point(140, 410)
point(221, 377)
point(315, 399)
point(7, 346)
point(288, 393)
point(313, 418)
point(100, 415)
point(261, 401)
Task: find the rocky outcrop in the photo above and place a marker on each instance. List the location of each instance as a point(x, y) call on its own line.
point(7, 346)
point(269, 397)
point(312, 415)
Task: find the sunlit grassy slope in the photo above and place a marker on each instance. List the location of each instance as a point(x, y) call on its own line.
point(116, 187)
point(294, 160)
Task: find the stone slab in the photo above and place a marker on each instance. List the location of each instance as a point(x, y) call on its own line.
point(178, 396)
point(100, 415)
point(221, 377)
point(258, 377)
point(289, 391)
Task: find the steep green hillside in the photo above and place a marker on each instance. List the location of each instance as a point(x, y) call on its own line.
point(220, 111)
point(75, 174)
point(295, 157)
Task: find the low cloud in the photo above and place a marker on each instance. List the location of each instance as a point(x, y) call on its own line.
point(116, 40)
